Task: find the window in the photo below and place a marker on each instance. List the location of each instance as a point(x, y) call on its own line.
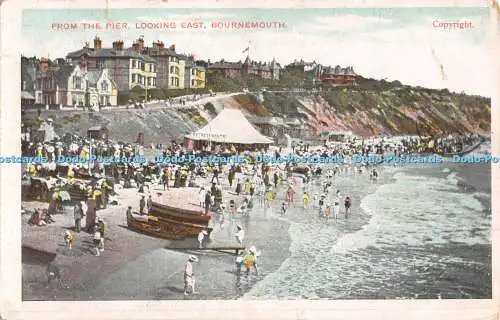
point(192, 83)
point(104, 86)
point(176, 70)
point(172, 81)
point(134, 78)
point(172, 69)
point(193, 72)
point(133, 64)
point(24, 85)
point(100, 64)
point(77, 82)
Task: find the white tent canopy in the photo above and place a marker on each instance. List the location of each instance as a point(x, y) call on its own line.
point(230, 126)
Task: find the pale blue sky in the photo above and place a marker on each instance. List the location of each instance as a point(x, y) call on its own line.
point(399, 43)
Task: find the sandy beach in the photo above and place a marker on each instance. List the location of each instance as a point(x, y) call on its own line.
point(137, 266)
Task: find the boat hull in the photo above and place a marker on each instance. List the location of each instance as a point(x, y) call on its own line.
point(178, 214)
point(165, 228)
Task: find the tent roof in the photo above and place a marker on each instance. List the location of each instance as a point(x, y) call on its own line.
point(230, 126)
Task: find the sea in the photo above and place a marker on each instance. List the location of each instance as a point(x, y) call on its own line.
point(423, 231)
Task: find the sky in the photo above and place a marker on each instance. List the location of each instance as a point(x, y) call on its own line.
point(393, 44)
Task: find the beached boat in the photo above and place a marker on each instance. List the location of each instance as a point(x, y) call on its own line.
point(302, 169)
point(170, 223)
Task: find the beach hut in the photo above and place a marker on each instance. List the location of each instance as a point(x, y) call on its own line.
point(230, 127)
point(98, 132)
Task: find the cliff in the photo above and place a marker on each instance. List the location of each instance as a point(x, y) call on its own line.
point(372, 108)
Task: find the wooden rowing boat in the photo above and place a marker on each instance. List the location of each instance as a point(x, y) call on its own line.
point(170, 223)
point(165, 228)
point(179, 214)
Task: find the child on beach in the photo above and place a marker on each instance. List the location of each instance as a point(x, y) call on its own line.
point(306, 200)
point(328, 210)
point(336, 209)
point(284, 207)
point(68, 238)
point(240, 235)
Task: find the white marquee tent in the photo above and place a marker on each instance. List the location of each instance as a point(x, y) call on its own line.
point(230, 126)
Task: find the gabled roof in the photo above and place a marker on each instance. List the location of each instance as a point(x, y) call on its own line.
point(93, 76)
point(63, 74)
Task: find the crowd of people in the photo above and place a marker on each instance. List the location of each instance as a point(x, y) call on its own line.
point(260, 184)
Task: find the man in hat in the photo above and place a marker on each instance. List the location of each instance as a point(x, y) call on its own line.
point(189, 280)
point(201, 237)
point(150, 204)
point(142, 204)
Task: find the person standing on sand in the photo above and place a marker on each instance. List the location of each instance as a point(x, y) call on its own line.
point(166, 178)
point(290, 195)
point(321, 205)
point(240, 235)
point(90, 216)
point(150, 204)
point(276, 179)
point(189, 280)
point(230, 176)
point(208, 202)
point(78, 215)
point(201, 196)
point(201, 237)
point(306, 200)
point(238, 187)
point(347, 205)
point(142, 204)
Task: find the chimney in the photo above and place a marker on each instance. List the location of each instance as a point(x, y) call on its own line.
point(97, 43)
point(172, 47)
point(158, 46)
point(118, 45)
point(44, 63)
point(140, 44)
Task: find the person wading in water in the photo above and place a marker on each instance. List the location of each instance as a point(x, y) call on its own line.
point(347, 205)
